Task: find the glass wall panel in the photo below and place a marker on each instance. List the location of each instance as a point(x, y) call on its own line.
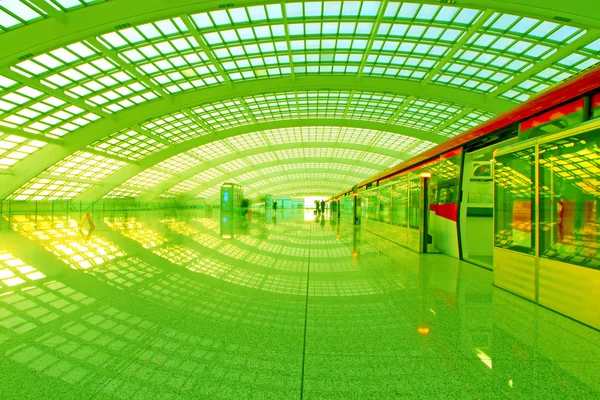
point(400, 203)
point(385, 204)
point(415, 202)
point(514, 183)
point(569, 197)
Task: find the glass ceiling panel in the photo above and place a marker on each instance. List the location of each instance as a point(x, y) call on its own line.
point(582, 59)
point(17, 13)
point(128, 144)
point(15, 148)
point(167, 53)
point(146, 179)
point(84, 72)
point(82, 165)
point(176, 128)
point(36, 112)
point(178, 163)
point(465, 123)
point(49, 189)
point(506, 45)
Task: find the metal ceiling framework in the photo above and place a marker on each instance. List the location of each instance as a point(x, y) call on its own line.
point(111, 93)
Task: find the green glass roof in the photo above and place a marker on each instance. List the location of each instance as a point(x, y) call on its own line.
point(283, 98)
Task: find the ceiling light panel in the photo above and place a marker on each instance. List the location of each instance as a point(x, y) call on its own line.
point(176, 128)
point(38, 189)
point(167, 53)
point(84, 72)
point(15, 148)
point(85, 166)
point(128, 144)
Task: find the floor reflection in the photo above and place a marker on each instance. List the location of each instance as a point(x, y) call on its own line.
point(286, 304)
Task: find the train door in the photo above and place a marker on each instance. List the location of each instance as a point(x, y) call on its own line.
point(477, 206)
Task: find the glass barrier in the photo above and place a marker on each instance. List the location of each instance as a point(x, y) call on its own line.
point(385, 204)
point(514, 184)
point(569, 199)
point(400, 203)
point(415, 202)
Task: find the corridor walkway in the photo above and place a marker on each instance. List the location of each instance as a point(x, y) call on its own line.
point(151, 306)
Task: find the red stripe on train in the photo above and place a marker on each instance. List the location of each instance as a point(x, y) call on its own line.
point(448, 211)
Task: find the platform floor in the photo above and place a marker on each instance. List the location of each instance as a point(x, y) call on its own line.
point(161, 306)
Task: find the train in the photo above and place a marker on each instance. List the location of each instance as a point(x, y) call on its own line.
point(518, 195)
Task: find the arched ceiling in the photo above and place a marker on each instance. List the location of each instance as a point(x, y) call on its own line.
point(190, 94)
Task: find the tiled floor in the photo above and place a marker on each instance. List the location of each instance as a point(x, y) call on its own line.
point(161, 306)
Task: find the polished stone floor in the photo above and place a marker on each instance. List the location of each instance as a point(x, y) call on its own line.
point(172, 305)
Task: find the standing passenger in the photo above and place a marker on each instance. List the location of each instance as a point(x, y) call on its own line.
point(274, 205)
point(323, 206)
point(317, 205)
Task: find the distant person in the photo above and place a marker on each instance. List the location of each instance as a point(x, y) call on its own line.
point(317, 205)
point(274, 205)
point(323, 206)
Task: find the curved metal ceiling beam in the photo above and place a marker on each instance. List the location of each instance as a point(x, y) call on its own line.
point(160, 189)
point(290, 161)
point(221, 179)
point(66, 28)
point(37, 163)
point(115, 181)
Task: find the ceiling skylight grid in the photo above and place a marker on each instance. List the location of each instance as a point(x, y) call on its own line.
point(17, 13)
point(82, 165)
point(584, 58)
point(181, 187)
point(34, 111)
point(247, 141)
point(146, 179)
point(426, 114)
point(211, 151)
point(38, 189)
point(178, 163)
point(412, 38)
point(223, 115)
point(166, 52)
point(505, 46)
point(122, 193)
point(465, 123)
point(15, 148)
point(84, 72)
point(177, 127)
point(208, 192)
point(129, 144)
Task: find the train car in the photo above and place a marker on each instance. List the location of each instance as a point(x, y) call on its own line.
point(518, 194)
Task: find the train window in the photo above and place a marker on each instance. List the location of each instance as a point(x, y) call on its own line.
point(569, 199)
point(552, 121)
point(448, 176)
point(514, 183)
point(595, 106)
